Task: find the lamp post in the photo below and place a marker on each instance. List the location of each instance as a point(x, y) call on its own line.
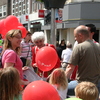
point(53, 28)
point(53, 4)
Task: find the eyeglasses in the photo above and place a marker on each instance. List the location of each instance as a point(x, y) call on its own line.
point(18, 37)
point(39, 41)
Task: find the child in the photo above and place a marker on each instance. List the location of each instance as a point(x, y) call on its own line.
point(59, 81)
point(10, 84)
point(86, 91)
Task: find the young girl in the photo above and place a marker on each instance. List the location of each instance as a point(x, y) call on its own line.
point(59, 81)
point(10, 84)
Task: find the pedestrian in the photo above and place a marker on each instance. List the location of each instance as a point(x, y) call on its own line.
point(59, 50)
point(26, 52)
point(66, 54)
point(92, 31)
point(87, 56)
point(38, 38)
point(11, 50)
point(86, 91)
point(59, 81)
point(62, 44)
point(10, 88)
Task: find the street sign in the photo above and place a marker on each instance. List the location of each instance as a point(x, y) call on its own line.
point(26, 18)
point(41, 13)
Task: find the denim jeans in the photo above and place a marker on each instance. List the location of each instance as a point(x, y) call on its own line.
point(98, 86)
point(73, 84)
point(71, 87)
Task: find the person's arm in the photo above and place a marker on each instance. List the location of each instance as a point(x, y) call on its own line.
point(33, 57)
point(62, 56)
point(22, 81)
point(69, 70)
point(8, 65)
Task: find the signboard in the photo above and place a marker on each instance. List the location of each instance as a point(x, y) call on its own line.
point(58, 16)
point(26, 18)
point(41, 13)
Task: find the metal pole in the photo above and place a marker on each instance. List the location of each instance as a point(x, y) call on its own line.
point(28, 25)
point(53, 27)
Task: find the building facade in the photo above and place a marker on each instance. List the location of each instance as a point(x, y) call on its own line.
point(5, 8)
point(75, 13)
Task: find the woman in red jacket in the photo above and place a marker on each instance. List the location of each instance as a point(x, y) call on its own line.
point(38, 38)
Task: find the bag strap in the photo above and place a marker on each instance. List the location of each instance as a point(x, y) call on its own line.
point(28, 52)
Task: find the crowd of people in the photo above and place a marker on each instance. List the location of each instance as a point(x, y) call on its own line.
point(19, 55)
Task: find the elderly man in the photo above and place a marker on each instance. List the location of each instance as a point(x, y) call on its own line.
point(87, 56)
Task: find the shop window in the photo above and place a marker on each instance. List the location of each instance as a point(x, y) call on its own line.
point(3, 10)
point(34, 7)
point(4, 13)
point(0, 14)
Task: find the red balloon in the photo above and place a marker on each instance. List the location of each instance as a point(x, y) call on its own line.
point(11, 22)
point(40, 90)
point(46, 58)
point(2, 25)
point(3, 29)
point(4, 32)
point(23, 29)
point(19, 24)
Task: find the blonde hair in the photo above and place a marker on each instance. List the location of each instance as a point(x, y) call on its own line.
point(9, 83)
point(58, 77)
point(86, 91)
point(7, 43)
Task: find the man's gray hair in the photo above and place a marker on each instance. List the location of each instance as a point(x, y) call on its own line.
point(69, 45)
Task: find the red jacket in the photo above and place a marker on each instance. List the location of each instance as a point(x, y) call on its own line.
point(35, 49)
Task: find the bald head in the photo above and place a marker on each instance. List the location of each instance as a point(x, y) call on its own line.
point(82, 30)
point(81, 33)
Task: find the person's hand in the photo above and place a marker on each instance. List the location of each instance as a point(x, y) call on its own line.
point(35, 65)
point(26, 82)
point(25, 68)
point(22, 82)
point(48, 78)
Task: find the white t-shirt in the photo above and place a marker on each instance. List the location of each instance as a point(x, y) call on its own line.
point(66, 54)
point(62, 93)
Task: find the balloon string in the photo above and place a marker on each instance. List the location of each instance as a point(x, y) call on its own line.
point(43, 75)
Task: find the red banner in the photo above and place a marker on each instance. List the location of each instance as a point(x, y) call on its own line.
point(41, 13)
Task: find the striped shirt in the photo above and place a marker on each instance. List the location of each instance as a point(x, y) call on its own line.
point(26, 50)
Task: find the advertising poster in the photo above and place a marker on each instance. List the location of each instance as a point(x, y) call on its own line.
point(58, 16)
